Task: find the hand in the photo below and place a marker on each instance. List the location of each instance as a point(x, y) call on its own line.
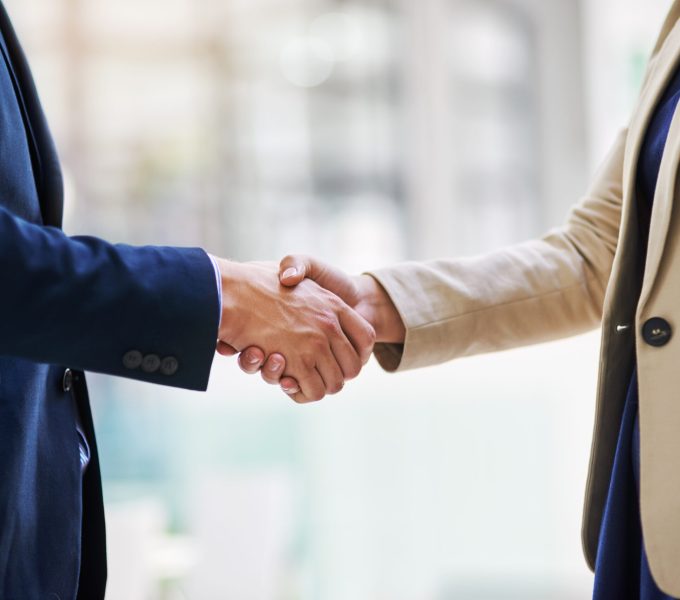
point(324, 341)
point(363, 293)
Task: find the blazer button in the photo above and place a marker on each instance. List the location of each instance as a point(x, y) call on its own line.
point(67, 380)
point(169, 366)
point(657, 332)
point(151, 363)
point(132, 360)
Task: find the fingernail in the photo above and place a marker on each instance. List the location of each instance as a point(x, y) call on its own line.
point(291, 272)
point(274, 365)
point(252, 358)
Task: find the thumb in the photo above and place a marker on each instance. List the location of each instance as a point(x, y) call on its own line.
point(293, 269)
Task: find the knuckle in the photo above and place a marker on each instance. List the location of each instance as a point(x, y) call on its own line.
point(308, 359)
point(319, 344)
point(336, 304)
point(313, 392)
point(330, 326)
point(371, 336)
point(368, 346)
point(293, 260)
point(353, 370)
point(288, 259)
point(336, 387)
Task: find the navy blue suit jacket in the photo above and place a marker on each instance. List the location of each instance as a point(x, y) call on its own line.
point(75, 303)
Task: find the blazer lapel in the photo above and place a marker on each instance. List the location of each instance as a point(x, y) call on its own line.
point(35, 156)
point(47, 169)
point(666, 63)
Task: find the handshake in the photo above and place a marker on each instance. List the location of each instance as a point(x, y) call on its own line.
point(305, 325)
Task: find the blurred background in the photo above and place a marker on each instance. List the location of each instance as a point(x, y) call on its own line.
point(366, 132)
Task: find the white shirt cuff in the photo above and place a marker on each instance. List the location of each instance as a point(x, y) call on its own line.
point(218, 281)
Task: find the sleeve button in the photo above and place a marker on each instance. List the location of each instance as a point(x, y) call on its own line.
point(169, 366)
point(151, 363)
point(132, 360)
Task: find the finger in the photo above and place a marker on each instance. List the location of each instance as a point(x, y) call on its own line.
point(273, 369)
point(298, 397)
point(312, 387)
point(359, 332)
point(251, 360)
point(330, 371)
point(347, 358)
point(289, 385)
point(226, 349)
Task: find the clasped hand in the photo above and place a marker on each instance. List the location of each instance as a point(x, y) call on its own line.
point(301, 335)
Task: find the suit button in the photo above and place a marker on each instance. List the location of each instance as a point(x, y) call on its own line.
point(67, 380)
point(132, 359)
point(657, 332)
point(169, 366)
point(151, 363)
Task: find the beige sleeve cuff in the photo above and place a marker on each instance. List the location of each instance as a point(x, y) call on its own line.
point(417, 350)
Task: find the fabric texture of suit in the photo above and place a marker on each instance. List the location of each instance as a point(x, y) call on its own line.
point(577, 277)
point(83, 304)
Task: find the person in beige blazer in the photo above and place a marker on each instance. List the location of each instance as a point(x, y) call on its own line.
point(595, 270)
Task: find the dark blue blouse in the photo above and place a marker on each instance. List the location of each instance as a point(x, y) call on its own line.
point(621, 570)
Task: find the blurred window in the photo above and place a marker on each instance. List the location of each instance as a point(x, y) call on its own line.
point(495, 123)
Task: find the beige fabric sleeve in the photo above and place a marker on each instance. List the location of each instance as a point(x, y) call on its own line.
point(532, 292)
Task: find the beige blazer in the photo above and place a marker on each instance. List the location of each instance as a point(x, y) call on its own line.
point(576, 278)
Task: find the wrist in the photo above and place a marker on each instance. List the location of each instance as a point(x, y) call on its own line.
point(231, 280)
point(377, 308)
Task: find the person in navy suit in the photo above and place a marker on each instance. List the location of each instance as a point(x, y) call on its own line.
point(70, 304)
